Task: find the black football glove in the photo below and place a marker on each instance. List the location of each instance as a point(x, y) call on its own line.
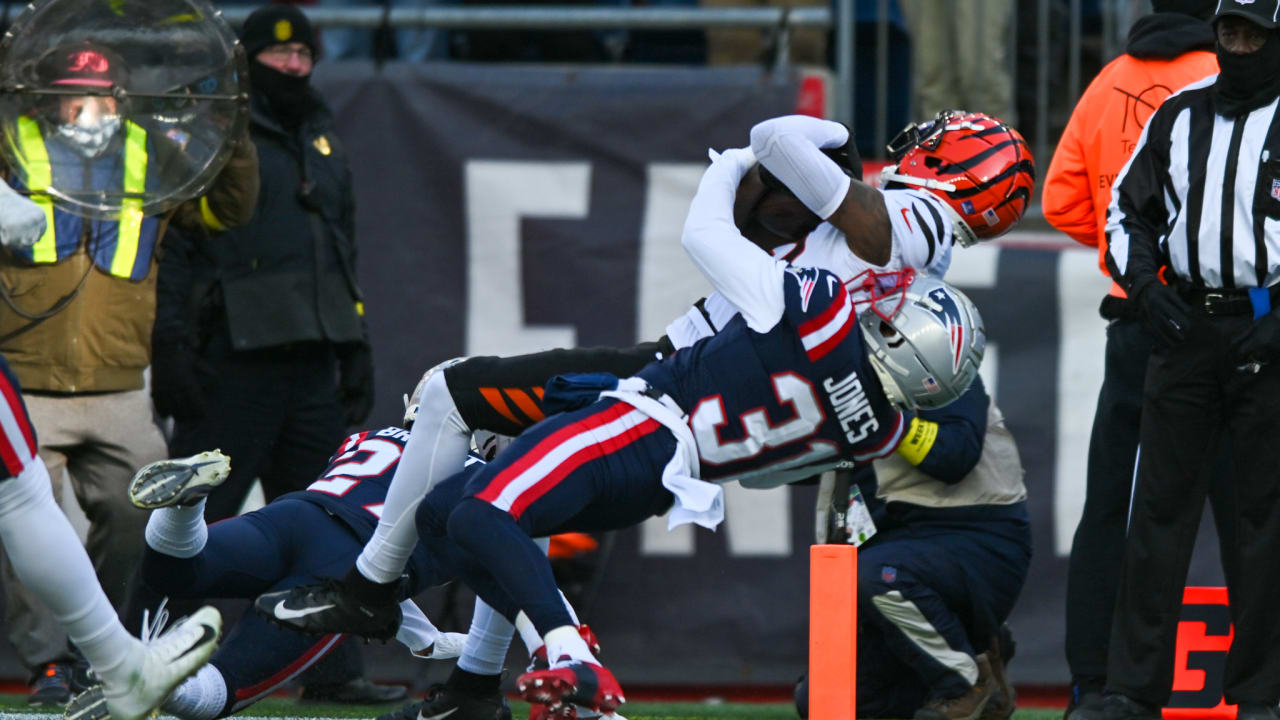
point(355, 381)
point(175, 381)
point(1260, 343)
point(1167, 316)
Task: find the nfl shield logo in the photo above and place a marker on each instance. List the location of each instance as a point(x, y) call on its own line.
point(1275, 189)
point(888, 574)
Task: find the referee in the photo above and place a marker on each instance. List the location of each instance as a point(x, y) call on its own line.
point(1194, 231)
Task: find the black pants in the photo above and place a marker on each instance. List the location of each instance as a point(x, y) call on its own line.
point(1093, 574)
point(274, 411)
point(1194, 393)
point(504, 394)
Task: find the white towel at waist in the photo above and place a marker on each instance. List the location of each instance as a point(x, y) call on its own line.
point(697, 501)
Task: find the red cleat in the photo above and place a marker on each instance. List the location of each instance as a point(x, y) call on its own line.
point(588, 637)
point(563, 711)
point(579, 683)
point(539, 659)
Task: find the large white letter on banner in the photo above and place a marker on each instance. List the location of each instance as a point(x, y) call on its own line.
point(498, 194)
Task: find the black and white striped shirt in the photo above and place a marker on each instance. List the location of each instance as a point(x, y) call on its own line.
point(1201, 194)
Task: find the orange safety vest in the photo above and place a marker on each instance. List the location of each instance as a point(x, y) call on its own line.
point(1100, 136)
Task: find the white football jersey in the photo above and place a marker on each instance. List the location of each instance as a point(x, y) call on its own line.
point(922, 239)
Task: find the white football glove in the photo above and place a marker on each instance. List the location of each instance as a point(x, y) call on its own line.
point(22, 222)
point(446, 647)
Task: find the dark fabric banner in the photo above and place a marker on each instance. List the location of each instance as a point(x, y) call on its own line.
point(511, 209)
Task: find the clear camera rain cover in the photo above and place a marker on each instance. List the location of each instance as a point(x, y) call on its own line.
point(111, 106)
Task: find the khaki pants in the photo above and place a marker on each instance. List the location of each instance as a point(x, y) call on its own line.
point(100, 440)
point(738, 46)
point(959, 58)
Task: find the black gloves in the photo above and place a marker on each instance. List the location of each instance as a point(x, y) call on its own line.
point(175, 383)
point(355, 381)
point(1261, 342)
point(1167, 316)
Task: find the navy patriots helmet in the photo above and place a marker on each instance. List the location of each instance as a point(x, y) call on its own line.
point(926, 343)
point(979, 166)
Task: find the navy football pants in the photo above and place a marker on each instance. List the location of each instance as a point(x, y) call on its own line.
point(926, 596)
point(595, 469)
point(289, 542)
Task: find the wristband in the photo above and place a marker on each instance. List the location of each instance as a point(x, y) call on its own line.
point(918, 440)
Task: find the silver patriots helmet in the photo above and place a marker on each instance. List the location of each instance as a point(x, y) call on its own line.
point(925, 343)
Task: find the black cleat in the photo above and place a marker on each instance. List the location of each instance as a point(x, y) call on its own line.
point(52, 686)
point(329, 607)
point(1116, 707)
point(444, 702)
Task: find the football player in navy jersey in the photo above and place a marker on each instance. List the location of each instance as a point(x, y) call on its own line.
point(798, 381)
point(300, 537)
point(962, 177)
point(52, 563)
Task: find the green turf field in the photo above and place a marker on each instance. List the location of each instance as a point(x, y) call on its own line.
point(14, 707)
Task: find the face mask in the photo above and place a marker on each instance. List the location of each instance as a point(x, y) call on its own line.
point(91, 132)
point(288, 95)
point(1248, 81)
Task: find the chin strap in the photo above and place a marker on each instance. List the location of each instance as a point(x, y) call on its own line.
point(963, 233)
point(888, 175)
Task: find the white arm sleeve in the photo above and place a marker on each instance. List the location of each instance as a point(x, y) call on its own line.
point(701, 322)
point(789, 147)
point(748, 277)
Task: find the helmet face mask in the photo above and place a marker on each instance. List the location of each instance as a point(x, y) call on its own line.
point(928, 351)
point(413, 401)
point(981, 168)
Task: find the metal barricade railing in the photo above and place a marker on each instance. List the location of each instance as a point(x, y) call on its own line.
point(1115, 17)
point(781, 19)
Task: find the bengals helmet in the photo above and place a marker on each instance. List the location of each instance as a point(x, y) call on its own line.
point(981, 167)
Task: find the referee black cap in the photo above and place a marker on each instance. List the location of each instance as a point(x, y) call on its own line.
point(1260, 12)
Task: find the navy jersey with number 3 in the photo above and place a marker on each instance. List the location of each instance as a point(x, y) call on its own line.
point(779, 405)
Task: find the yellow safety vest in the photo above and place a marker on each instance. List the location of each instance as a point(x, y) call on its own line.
point(39, 177)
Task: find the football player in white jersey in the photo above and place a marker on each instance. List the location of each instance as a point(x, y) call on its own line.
point(962, 177)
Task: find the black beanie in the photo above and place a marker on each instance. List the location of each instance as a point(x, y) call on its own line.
point(276, 24)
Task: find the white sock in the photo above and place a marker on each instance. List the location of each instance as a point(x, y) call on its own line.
point(53, 565)
point(528, 633)
point(201, 697)
point(437, 448)
point(565, 640)
point(178, 531)
point(487, 641)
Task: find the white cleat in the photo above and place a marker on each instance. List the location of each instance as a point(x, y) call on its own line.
point(166, 662)
point(182, 481)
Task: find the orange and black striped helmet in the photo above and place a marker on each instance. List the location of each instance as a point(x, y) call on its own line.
point(980, 166)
